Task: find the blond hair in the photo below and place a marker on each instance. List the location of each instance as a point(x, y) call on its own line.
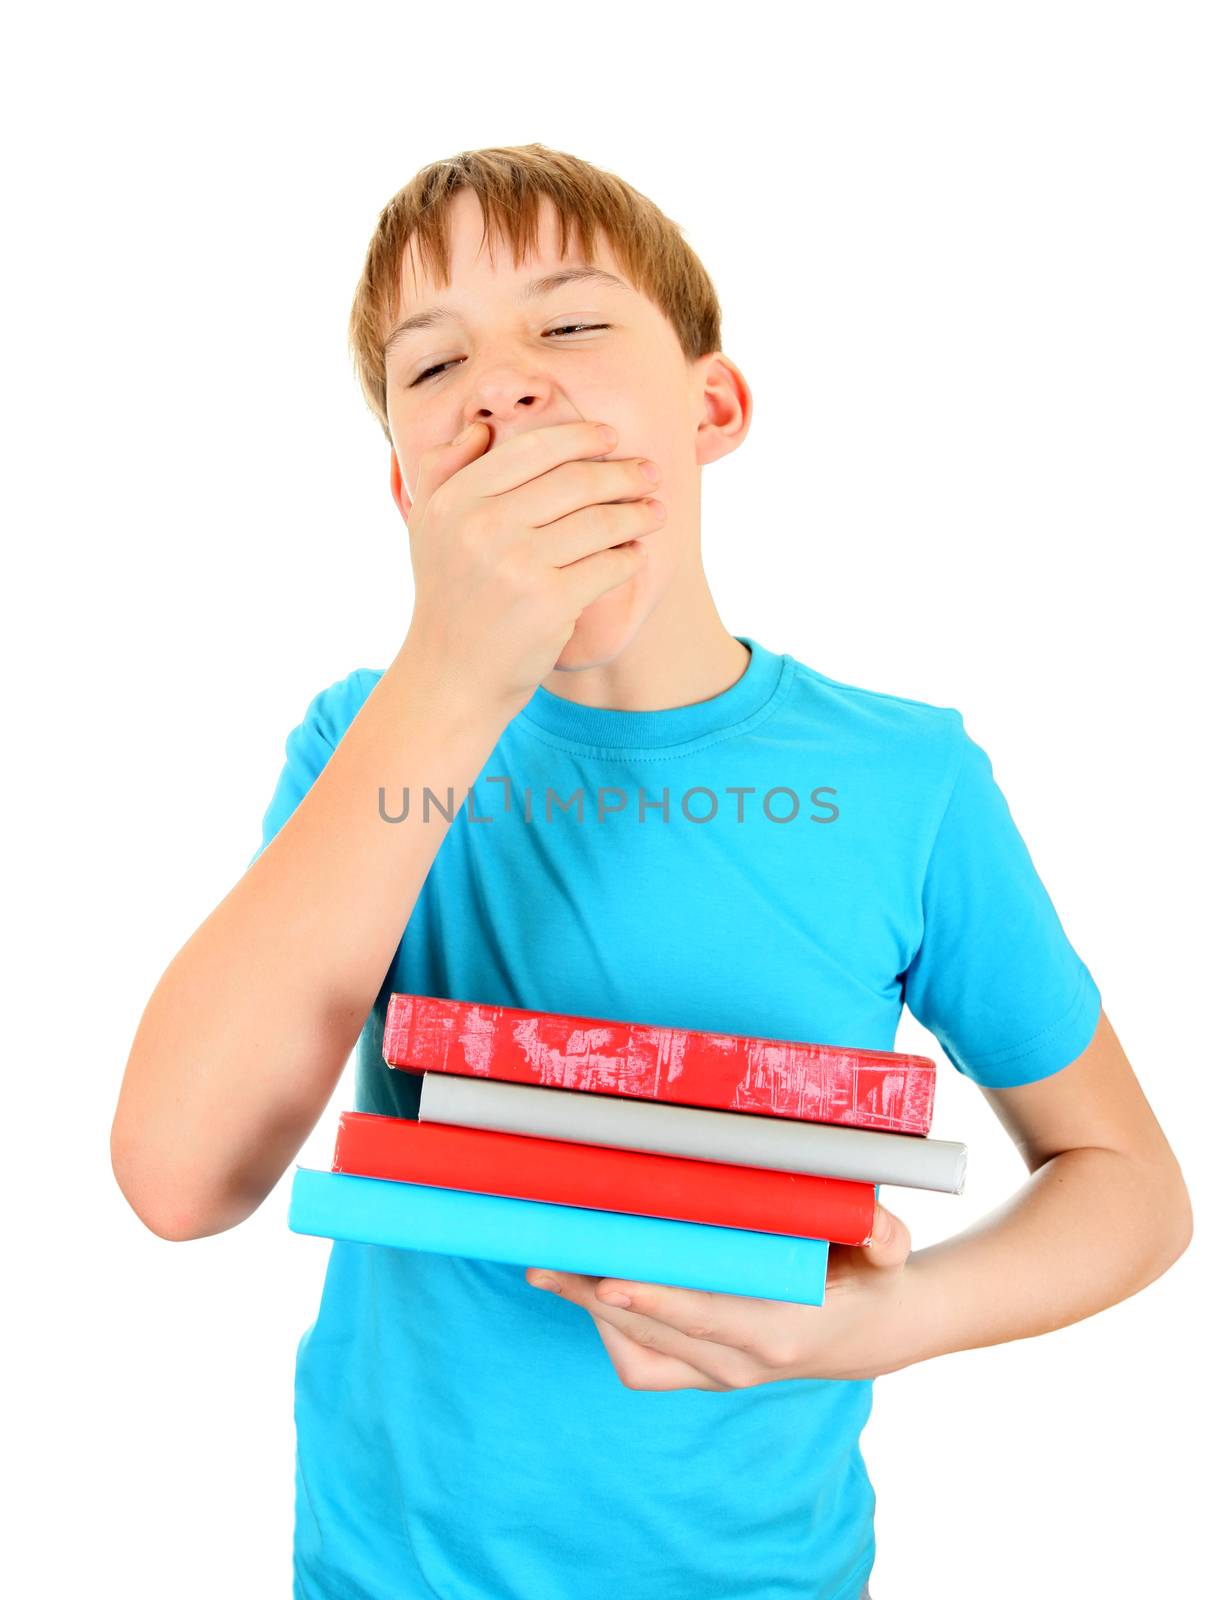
point(509, 182)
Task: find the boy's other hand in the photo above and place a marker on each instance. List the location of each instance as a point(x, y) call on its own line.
point(673, 1338)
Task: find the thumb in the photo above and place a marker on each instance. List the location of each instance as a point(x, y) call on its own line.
point(469, 433)
point(440, 462)
point(890, 1241)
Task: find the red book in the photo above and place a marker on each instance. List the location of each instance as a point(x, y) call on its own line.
point(880, 1089)
point(527, 1168)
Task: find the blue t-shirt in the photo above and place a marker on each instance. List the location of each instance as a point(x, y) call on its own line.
point(796, 858)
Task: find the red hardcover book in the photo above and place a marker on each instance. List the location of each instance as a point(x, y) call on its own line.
point(526, 1168)
point(880, 1089)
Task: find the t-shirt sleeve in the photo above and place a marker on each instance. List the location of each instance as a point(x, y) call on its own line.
point(308, 747)
point(995, 978)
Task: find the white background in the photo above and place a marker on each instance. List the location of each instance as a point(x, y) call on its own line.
point(962, 255)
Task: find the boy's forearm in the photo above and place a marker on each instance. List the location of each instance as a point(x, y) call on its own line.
point(245, 1037)
point(1089, 1228)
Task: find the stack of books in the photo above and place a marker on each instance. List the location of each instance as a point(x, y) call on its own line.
point(626, 1149)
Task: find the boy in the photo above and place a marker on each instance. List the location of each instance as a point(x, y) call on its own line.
point(461, 1432)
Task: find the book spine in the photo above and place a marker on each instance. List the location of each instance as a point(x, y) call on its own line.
point(871, 1089)
point(529, 1233)
point(639, 1182)
point(737, 1138)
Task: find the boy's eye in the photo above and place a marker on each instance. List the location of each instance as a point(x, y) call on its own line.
point(568, 327)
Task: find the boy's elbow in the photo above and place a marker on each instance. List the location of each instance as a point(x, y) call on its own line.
point(165, 1224)
point(1184, 1221)
point(157, 1208)
point(1173, 1216)
point(171, 1228)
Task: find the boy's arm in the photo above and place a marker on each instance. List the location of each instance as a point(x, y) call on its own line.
point(1104, 1213)
point(246, 1034)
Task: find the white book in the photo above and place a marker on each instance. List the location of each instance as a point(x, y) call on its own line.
point(736, 1138)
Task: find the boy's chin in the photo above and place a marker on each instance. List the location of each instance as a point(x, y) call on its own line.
point(604, 630)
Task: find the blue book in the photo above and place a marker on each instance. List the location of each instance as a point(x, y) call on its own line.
point(536, 1233)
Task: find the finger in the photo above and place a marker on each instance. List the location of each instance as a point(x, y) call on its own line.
point(442, 461)
point(606, 525)
point(891, 1241)
point(513, 461)
point(726, 1364)
point(640, 1367)
point(735, 1322)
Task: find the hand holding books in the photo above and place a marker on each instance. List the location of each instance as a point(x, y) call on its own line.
point(875, 1319)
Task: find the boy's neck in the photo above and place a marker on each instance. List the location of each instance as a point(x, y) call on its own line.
point(678, 657)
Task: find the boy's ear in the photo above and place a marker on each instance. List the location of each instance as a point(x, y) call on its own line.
point(727, 405)
point(400, 495)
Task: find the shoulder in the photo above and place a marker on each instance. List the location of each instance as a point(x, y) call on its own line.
point(876, 704)
point(333, 708)
point(927, 738)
